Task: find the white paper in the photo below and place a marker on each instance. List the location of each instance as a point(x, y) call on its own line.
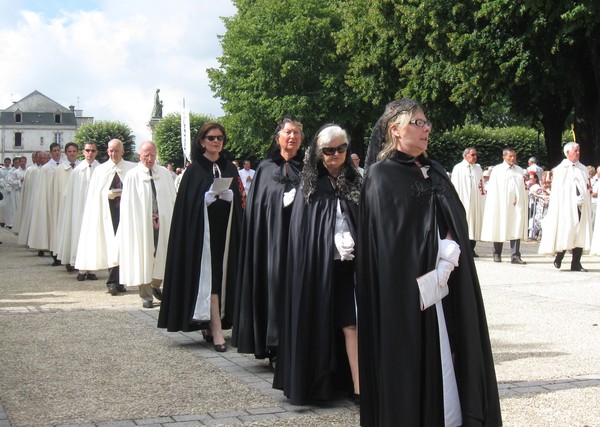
point(220, 185)
point(429, 289)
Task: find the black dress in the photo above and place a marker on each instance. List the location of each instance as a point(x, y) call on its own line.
point(312, 364)
point(182, 270)
point(263, 257)
point(399, 350)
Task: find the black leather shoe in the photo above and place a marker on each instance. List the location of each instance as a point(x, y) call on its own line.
point(497, 258)
point(207, 338)
point(148, 304)
point(354, 398)
point(579, 268)
point(55, 263)
point(220, 348)
point(91, 276)
point(112, 289)
point(157, 293)
point(40, 253)
point(475, 255)
point(70, 268)
point(518, 261)
point(80, 277)
point(557, 264)
point(121, 288)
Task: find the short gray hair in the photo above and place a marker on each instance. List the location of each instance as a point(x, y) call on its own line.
point(569, 146)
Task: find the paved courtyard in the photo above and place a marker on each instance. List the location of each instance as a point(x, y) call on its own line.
point(71, 354)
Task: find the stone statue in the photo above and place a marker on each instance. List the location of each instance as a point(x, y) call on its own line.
point(158, 104)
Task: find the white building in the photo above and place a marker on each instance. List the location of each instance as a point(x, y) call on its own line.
point(35, 122)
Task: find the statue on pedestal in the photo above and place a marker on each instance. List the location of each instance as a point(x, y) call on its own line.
point(158, 104)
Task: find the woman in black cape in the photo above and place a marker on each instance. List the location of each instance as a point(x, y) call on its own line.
point(180, 308)
point(263, 249)
point(418, 367)
point(318, 353)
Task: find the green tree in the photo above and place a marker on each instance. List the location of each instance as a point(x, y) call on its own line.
point(279, 58)
point(101, 132)
point(167, 136)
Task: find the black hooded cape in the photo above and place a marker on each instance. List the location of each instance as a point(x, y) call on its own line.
point(399, 354)
point(182, 270)
point(312, 365)
point(263, 256)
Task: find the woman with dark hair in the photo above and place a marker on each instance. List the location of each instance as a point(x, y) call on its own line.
point(425, 359)
point(199, 284)
point(318, 350)
point(263, 249)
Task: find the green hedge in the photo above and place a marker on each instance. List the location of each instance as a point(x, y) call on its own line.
point(447, 147)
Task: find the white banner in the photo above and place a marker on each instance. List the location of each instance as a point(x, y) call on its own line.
point(186, 143)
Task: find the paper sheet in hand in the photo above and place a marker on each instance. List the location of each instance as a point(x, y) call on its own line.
point(429, 289)
point(220, 184)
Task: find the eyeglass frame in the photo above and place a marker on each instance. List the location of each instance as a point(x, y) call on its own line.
point(211, 138)
point(330, 151)
point(421, 123)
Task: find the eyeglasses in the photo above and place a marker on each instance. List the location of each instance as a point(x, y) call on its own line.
point(211, 138)
point(87, 150)
point(330, 151)
point(420, 123)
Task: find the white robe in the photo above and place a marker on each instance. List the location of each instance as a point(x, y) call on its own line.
point(98, 246)
point(468, 181)
point(562, 229)
point(244, 175)
point(505, 212)
point(72, 215)
point(6, 205)
point(58, 193)
point(25, 207)
point(15, 180)
point(138, 263)
point(41, 217)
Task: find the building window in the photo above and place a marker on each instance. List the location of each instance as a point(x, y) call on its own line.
point(41, 140)
point(57, 137)
point(18, 118)
point(57, 118)
point(18, 139)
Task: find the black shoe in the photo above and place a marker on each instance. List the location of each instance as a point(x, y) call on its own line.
point(475, 255)
point(91, 276)
point(579, 268)
point(497, 258)
point(517, 261)
point(207, 338)
point(112, 289)
point(70, 268)
point(40, 253)
point(80, 277)
point(557, 264)
point(220, 348)
point(148, 304)
point(157, 293)
point(56, 263)
point(121, 288)
point(354, 398)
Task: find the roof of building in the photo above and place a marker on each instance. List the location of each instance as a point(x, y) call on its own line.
point(37, 102)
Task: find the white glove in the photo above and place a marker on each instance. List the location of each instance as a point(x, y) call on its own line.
point(345, 245)
point(444, 268)
point(114, 193)
point(210, 196)
point(288, 197)
point(449, 250)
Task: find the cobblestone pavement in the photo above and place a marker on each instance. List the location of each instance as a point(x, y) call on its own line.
point(543, 326)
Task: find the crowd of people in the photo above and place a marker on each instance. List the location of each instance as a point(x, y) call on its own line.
point(353, 282)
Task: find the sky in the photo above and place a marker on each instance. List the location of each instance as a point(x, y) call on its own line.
point(108, 57)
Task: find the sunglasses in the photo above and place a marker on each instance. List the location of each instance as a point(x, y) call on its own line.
point(211, 138)
point(330, 151)
point(87, 150)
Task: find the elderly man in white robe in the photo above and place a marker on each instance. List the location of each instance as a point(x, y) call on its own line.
point(41, 217)
point(146, 211)
point(72, 213)
point(568, 223)
point(505, 212)
point(467, 178)
point(15, 180)
point(98, 246)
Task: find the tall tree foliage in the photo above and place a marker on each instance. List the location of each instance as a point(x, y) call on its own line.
point(279, 58)
point(101, 132)
point(167, 136)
